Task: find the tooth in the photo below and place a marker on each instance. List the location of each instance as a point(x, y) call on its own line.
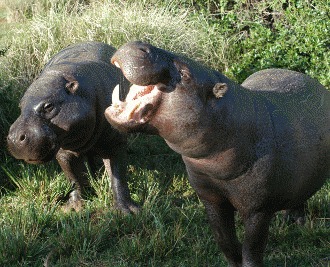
point(116, 64)
point(115, 95)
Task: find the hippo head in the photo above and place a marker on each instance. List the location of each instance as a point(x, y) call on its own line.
point(158, 78)
point(53, 113)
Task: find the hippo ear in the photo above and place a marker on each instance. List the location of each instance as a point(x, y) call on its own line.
point(183, 70)
point(220, 89)
point(72, 85)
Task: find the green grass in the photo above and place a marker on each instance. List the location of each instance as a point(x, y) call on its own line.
point(235, 37)
point(171, 230)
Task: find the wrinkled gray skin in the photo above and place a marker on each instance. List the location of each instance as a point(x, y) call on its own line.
point(257, 148)
point(62, 116)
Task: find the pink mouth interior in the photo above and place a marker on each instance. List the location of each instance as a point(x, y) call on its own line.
point(139, 105)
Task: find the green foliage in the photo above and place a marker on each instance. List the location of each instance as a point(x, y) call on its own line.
point(235, 37)
point(285, 36)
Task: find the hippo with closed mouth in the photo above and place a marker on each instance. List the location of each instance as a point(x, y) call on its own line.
point(255, 148)
point(62, 116)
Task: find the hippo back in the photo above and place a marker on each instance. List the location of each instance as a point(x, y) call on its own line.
point(93, 55)
point(77, 53)
point(292, 91)
point(299, 110)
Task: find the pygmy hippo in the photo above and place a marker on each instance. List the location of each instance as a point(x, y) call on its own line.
point(62, 116)
point(257, 148)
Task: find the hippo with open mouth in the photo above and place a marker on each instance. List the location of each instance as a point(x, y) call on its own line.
point(62, 117)
point(255, 148)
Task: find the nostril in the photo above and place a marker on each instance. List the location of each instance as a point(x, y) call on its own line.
point(22, 137)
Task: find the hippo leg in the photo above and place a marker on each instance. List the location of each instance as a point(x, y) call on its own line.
point(116, 168)
point(296, 215)
point(221, 218)
point(256, 234)
point(75, 170)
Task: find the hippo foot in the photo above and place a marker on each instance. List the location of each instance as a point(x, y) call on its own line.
point(294, 216)
point(127, 207)
point(73, 206)
point(75, 202)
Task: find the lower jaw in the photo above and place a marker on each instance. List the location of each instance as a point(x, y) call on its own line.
point(40, 161)
point(128, 126)
point(114, 118)
point(35, 162)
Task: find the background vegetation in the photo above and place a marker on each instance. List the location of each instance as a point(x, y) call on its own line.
point(234, 37)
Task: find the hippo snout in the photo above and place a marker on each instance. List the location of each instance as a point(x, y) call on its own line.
point(32, 143)
point(152, 68)
point(17, 138)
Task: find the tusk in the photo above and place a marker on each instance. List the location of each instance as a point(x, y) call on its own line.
point(115, 95)
point(116, 64)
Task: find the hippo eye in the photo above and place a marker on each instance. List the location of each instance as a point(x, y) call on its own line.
point(48, 107)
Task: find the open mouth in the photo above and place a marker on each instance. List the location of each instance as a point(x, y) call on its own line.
point(139, 106)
